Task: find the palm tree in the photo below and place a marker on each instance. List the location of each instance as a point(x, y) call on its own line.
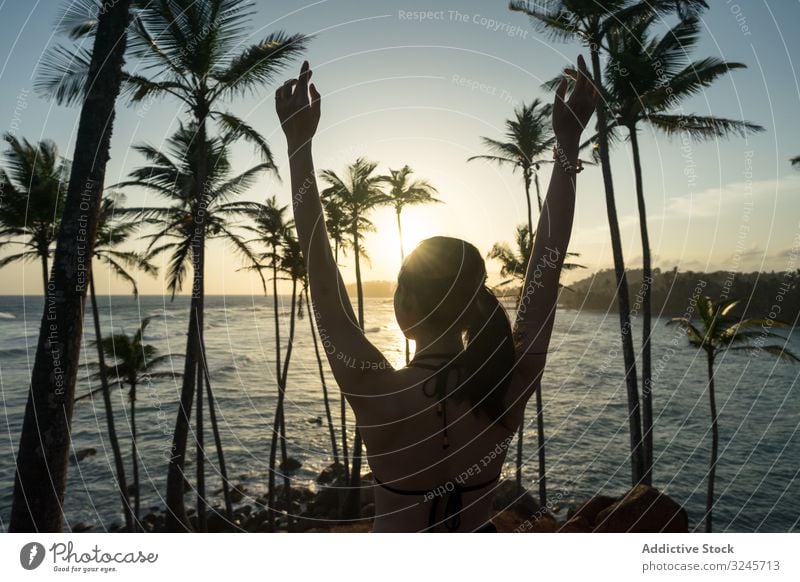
point(172, 174)
point(359, 192)
point(133, 363)
point(197, 47)
point(271, 228)
point(527, 138)
point(338, 230)
point(513, 264)
point(402, 192)
point(111, 234)
point(720, 333)
point(199, 52)
point(645, 78)
point(33, 189)
point(40, 479)
point(591, 21)
point(292, 267)
point(305, 295)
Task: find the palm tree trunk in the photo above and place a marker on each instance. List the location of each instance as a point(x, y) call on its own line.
point(403, 258)
point(629, 360)
point(212, 413)
point(328, 415)
point(41, 475)
point(646, 293)
point(287, 484)
point(45, 274)
point(176, 519)
point(343, 415)
point(538, 193)
point(342, 402)
point(540, 438)
point(200, 455)
point(112, 430)
point(352, 509)
point(539, 408)
point(276, 427)
point(135, 459)
point(712, 466)
point(176, 511)
point(527, 175)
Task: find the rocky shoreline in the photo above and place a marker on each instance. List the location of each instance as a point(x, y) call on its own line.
point(642, 509)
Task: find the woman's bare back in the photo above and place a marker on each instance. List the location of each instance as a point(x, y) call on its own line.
point(406, 451)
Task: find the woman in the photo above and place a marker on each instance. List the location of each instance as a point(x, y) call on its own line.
point(437, 431)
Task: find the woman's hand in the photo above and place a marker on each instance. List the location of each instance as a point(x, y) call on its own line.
point(298, 107)
point(571, 115)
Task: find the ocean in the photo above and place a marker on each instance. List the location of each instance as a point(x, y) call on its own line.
point(585, 411)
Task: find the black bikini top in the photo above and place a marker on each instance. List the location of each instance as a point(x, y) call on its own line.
point(447, 512)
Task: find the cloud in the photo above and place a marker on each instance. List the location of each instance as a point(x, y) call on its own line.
point(727, 198)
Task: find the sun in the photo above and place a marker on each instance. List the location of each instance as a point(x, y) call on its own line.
point(383, 244)
point(415, 230)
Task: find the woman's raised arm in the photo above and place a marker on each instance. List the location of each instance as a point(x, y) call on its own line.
point(352, 357)
point(536, 311)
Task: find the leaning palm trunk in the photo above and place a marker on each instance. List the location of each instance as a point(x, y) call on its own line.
point(646, 294)
point(112, 430)
point(135, 459)
point(538, 397)
point(402, 259)
point(343, 403)
point(279, 425)
point(176, 511)
point(287, 483)
point(277, 422)
point(539, 408)
point(212, 414)
point(328, 415)
point(352, 509)
point(634, 411)
point(176, 519)
point(41, 475)
point(712, 465)
point(202, 507)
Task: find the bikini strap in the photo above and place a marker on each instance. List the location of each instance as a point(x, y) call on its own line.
point(440, 386)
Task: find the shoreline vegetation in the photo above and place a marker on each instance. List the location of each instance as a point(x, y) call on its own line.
point(671, 291)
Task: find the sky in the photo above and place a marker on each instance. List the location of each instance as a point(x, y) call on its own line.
point(401, 89)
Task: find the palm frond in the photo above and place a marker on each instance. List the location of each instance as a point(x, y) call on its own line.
point(63, 74)
point(776, 350)
point(702, 127)
point(260, 64)
point(235, 128)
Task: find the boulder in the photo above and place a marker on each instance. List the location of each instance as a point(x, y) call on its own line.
point(643, 509)
point(290, 465)
point(589, 509)
point(506, 497)
point(327, 502)
point(334, 472)
point(237, 493)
